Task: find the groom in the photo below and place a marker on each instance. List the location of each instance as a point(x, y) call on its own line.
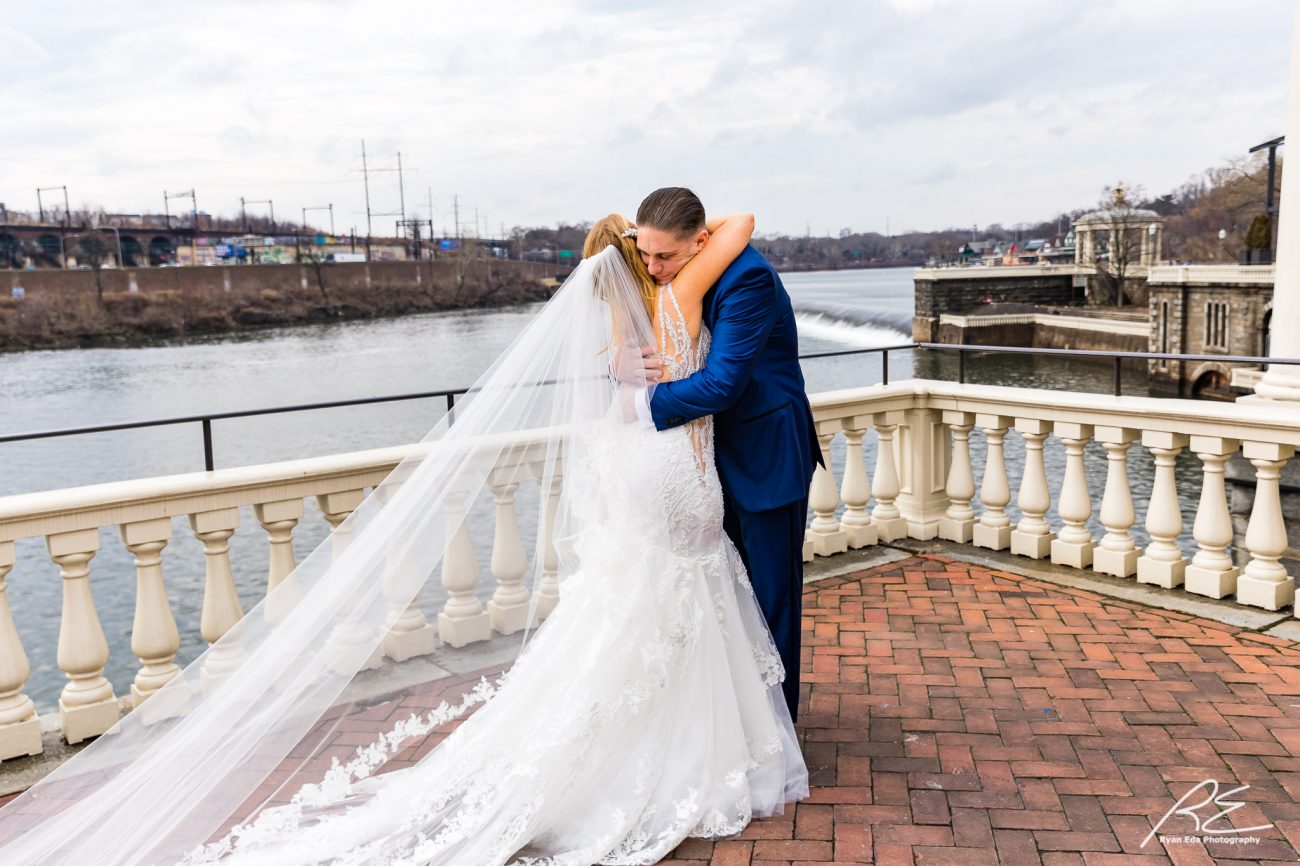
point(765, 442)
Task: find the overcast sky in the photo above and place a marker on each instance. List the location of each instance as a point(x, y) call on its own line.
point(818, 114)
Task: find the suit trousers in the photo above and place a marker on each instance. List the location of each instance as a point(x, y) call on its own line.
point(771, 545)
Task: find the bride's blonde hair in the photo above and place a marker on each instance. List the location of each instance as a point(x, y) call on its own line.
point(613, 230)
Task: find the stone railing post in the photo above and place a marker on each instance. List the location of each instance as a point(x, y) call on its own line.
point(1212, 571)
point(825, 533)
point(547, 594)
point(463, 619)
point(855, 489)
point(1074, 545)
point(1264, 581)
point(924, 452)
point(993, 531)
point(1163, 563)
point(958, 523)
point(890, 523)
point(87, 706)
point(20, 730)
point(221, 608)
point(508, 608)
point(335, 507)
point(1032, 536)
point(279, 519)
point(154, 636)
point(1116, 553)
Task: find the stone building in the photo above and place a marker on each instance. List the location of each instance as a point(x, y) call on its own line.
point(1208, 310)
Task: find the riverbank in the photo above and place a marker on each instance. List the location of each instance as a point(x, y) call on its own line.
point(72, 309)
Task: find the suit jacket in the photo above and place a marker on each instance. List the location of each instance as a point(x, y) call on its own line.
point(765, 442)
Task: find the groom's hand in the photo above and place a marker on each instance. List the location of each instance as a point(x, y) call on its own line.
point(636, 365)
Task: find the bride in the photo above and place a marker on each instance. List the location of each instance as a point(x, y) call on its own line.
point(645, 709)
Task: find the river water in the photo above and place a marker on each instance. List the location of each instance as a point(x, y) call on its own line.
point(67, 388)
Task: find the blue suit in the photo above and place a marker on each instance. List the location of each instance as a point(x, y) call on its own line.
point(764, 438)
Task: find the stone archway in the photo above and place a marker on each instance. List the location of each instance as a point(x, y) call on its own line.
point(48, 250)
point(12, 254)
point(161, 251)
point(1212, 381)
point(133, 254)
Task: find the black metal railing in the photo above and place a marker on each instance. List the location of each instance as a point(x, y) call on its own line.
point(450, 394)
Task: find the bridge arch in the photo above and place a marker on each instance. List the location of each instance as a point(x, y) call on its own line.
point(47, 249)
point(161, 250)
point(133, 255)
point(12, 254)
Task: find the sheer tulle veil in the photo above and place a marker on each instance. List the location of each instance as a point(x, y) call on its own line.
point(172, 774)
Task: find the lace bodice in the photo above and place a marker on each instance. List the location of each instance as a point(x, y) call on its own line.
point(684, 356)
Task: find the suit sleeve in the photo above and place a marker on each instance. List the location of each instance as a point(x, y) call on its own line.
point(742, 324)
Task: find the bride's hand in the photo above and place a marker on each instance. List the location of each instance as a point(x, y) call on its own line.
point(636, 365)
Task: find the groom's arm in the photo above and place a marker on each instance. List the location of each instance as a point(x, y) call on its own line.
point(741, 326)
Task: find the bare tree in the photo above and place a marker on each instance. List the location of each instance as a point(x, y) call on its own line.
point(1124, 223)
point(317, 261)
point(92, 251)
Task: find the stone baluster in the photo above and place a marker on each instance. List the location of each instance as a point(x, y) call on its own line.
point(508, 607)
point(1074, 545)
point(221, 608)
point(463, 619)
point(154, 636)
point(87, 706)
point(279, 519)
point(547, 594)
point(825, 533)
point(1116, 553)
point(958, 522)
point(1032, 536)
point(855, 489)
point(1163, 563)
point(20, 730)
point(1212, 571)
point(1264, 581)
point(407, 632)
point(336, 507)
point(890, 523)
point(993, 531)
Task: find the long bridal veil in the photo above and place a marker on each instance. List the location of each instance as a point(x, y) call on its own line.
point(212, 746)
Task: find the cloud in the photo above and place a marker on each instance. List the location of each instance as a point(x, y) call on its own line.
point(928, 112)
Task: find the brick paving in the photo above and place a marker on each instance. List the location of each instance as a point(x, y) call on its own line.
point(958, 714)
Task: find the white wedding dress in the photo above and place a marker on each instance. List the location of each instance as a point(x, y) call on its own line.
point(647, 708)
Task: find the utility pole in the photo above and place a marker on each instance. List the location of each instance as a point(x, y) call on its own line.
point(365, 175)
point(67, 211)
point(455, 210)
point(401, 187)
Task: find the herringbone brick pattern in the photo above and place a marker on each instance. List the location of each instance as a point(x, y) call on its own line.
point(961, 715)
point(955, 714)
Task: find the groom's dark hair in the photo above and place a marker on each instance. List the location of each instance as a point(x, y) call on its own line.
point(672, 209)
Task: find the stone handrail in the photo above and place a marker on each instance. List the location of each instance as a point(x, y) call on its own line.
point(990, 271)
point(1136, 328)
point(921, 486)
point(1218, 275)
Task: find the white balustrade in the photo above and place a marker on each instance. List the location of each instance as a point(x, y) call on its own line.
point(1074, 545)
point(87, 706)
point(346, 635)
point(154, 636)
point(221, 608)
point(825, 532)
point(855, 490)
point(922, 482)
point(463, 619)
point(1032, 536)
point(890, 523)
point(1264, 582)
point(993, 531)
point(20, 730)
point(1212, 571)
point(958, 522)
point(1163, 563)
point(508, 607)
point(278, 519)
point(1117, 552)
point(547, 594)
